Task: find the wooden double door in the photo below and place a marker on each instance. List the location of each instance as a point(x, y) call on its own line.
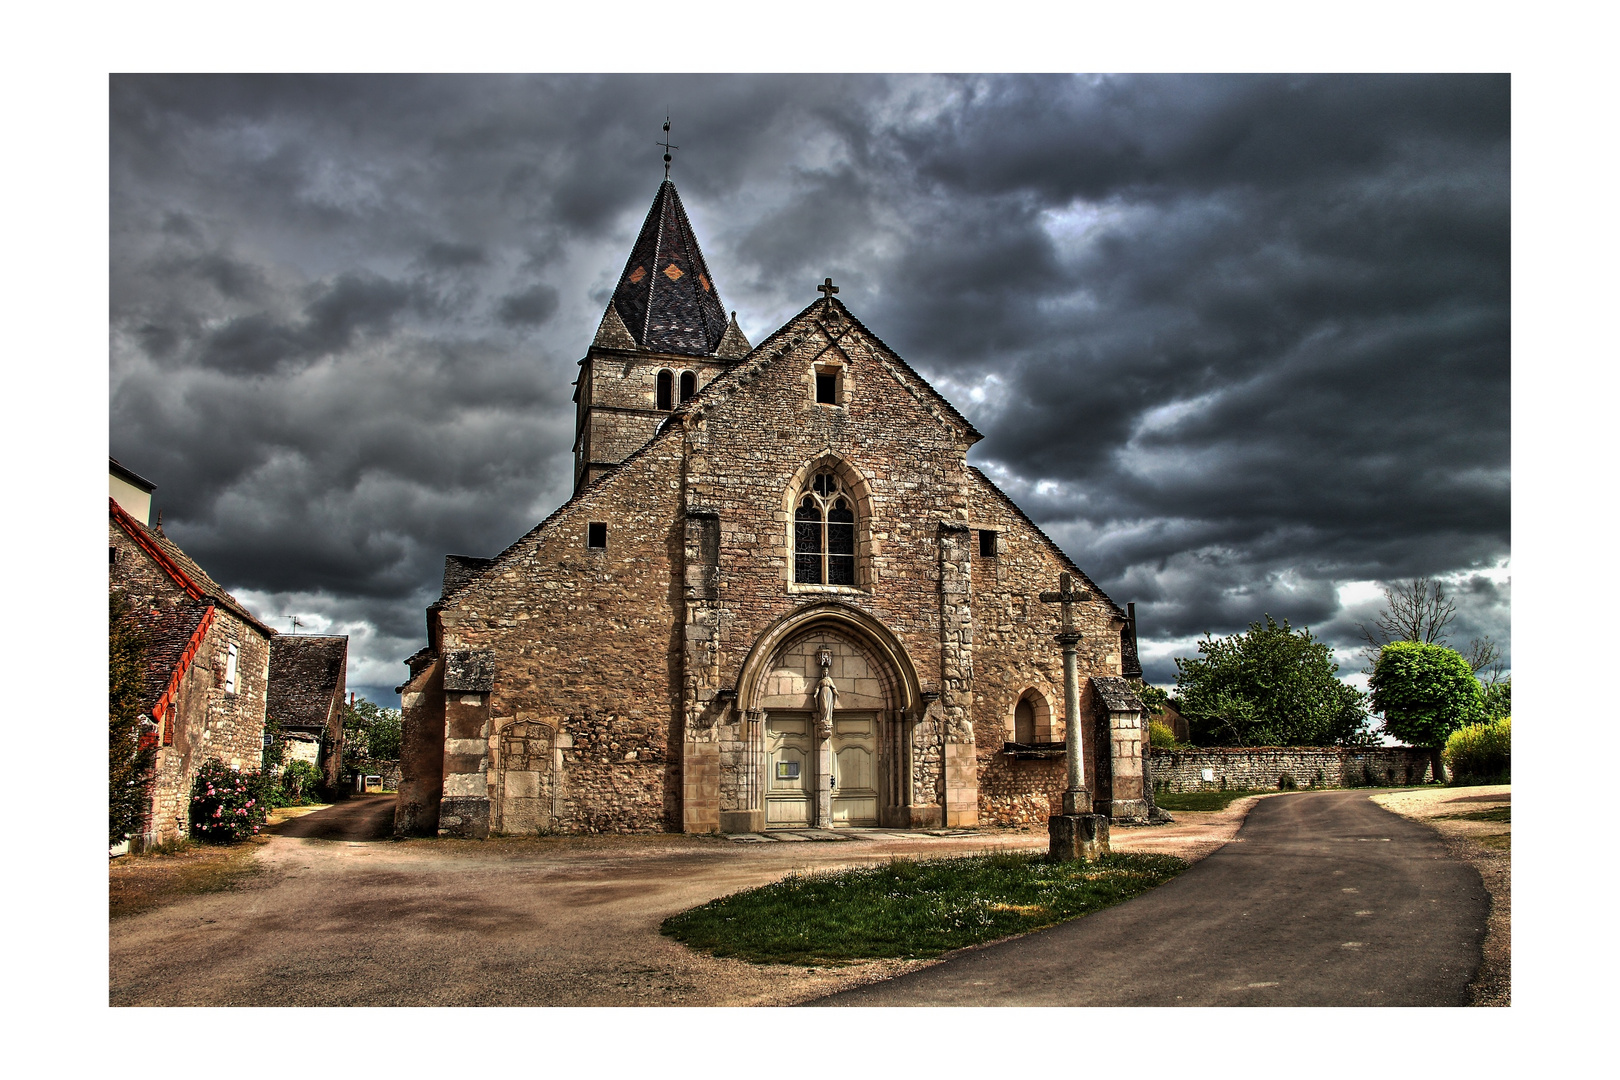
point(794, 764)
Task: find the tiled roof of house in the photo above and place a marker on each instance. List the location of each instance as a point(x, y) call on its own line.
point(180, 566)
point(167, 630)
point(665, 297)
point(305, 673)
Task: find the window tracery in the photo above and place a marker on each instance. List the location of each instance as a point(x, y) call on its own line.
point(824, 533)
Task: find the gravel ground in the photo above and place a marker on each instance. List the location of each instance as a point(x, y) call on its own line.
point(1488, 847)
point(550, 921)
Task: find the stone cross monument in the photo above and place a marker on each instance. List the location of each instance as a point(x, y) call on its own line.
point(1077, 833)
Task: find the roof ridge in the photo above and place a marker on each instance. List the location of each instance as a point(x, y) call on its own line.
point(758, 358)
point(153, 545)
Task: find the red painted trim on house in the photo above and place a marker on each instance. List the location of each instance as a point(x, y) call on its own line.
point(137, 533)
point(160, 711)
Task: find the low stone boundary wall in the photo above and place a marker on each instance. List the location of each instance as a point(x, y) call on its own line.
point(1205, 768)
point(388, 770)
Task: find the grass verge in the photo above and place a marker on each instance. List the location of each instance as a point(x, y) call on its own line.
point(911, 909)
point(137, 883)
point(1201, 800)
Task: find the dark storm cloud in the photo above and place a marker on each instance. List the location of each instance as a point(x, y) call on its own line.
point(1237, 342)
point(531, 307)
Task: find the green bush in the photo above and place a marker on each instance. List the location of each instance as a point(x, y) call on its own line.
point(129, 764)
point(1481, 753)
point(1161, 735)
point(299, 782)
point(227, 806)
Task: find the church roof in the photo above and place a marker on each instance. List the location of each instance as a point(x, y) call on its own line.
point(666, 298)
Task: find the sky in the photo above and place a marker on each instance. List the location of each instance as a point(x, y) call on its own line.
point(1239, 344)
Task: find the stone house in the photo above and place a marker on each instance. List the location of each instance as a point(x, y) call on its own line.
point(307, 684)
point(207, 665)
point(778, 598)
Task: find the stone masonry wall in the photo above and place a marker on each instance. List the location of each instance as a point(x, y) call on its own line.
point(902, 461)
point(586, 643)
point(1263, 767)
point(620, 394)
point(211, 724)
point(1014, 652)
point(208, 722)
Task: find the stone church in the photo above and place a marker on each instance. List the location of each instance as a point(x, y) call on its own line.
point(779, 598)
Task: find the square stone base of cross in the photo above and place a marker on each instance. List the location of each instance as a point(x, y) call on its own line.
point(1078, 836)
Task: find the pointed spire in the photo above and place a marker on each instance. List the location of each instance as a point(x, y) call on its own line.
point(665, 297)
point(734, 345)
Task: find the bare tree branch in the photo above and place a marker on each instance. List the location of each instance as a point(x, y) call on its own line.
point(1486, 660)
point(1416, 610)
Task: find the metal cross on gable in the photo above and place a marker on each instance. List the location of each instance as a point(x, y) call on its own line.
point(1068, 596)
point(827, 289)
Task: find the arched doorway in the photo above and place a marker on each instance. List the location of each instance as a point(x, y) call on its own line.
point(829, 701)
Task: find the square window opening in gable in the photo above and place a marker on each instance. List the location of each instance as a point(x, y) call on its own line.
point(829, 385)
point(987, 543)
point(596, 535)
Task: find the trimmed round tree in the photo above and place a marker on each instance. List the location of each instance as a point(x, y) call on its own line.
point(1425, 692)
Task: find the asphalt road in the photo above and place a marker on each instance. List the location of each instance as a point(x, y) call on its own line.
point(1323, 898)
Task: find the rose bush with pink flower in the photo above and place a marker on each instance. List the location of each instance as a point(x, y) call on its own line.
point(227, 806)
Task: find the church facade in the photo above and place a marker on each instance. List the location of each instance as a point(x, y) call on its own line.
point(779, 598)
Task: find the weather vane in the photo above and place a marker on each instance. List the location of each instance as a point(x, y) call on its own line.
point(667, 148)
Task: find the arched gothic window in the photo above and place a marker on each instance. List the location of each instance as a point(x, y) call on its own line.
point(666, 387)
point(824, 533)
point(1024, 721)
point(688, 384)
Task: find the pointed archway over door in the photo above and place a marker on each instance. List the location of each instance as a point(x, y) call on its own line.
point(826, 756)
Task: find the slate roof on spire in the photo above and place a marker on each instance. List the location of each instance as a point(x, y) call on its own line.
point(666, 297)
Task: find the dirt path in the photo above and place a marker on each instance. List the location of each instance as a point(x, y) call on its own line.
point(1487, 846)
point(553, 921)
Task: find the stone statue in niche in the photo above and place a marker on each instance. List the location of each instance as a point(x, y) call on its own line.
point(826, 695)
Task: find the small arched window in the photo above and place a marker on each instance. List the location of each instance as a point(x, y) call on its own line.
point(824, 534)
point(688, 384)
point(666, 386)
point(1024, 722)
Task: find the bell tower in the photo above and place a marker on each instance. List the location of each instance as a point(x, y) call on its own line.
point(664, 336)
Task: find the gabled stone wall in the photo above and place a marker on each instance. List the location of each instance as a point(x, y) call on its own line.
point(586, 644)
point(1015, 652)
point(208, 723)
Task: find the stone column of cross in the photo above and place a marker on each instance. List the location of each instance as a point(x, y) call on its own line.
point(1076, 800)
